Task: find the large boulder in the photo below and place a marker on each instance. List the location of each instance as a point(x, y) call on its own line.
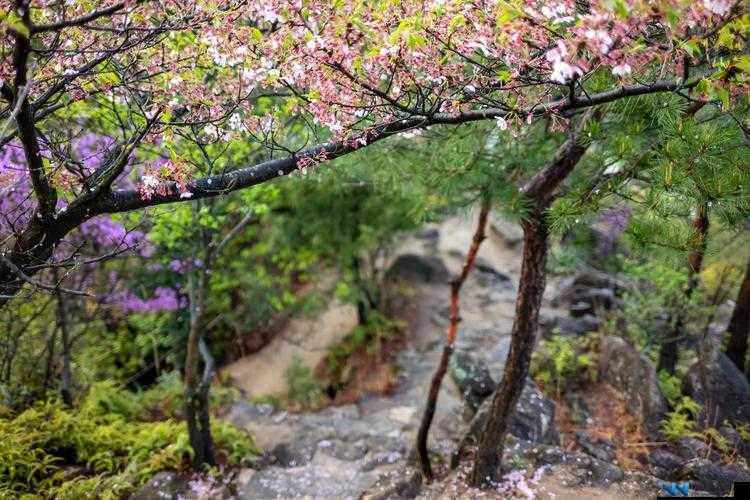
point(472, 378)
point(664, 463)
point(599, 448)
point(533, 420)
point(633, 374)
point(589, 285)
point(507, 231)
point(728, 394)
point(709, 476)
point(420, 268)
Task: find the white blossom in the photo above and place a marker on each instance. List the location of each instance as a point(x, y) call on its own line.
point(622, 69)
point(719, 7)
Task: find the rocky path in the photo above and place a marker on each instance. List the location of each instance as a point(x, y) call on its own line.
point(362, 450)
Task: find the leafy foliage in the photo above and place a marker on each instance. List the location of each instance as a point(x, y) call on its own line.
point(563, 362)
point(108, 436)
point(680, 422)
point(303, 389)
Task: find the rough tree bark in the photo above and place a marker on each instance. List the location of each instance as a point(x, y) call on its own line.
point(450, 338)
point(540, 191)
point(669, 353)
point(739, 324)
point(197, 388)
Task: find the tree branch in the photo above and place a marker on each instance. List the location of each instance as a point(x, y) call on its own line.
point(45, 195)
point(28, 279)
point(78, 21)
point(127, 200)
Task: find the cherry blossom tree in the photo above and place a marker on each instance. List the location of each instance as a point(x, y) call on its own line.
point(283, 74)
point(308, 81)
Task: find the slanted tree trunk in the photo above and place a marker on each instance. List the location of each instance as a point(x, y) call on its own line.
point(669, 352)
point(528, 302)
point(450, 338)
point(540, 191)
point(739, 324)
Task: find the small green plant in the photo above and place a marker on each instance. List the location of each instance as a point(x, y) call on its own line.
point(715, 439)
point(303, 389)
point(670, 386)
point(681, 421)
point(744, 431)
point(370, 337)
point(562, 362)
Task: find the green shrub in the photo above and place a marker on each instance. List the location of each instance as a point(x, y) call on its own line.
point(681, 421)
point(108, 437)
point(303, 388)
point(562, 362)
point(368, 338)
point(670, 386)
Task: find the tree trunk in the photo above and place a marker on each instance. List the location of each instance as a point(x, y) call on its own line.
point(739, 324)
point(529, 299)
point(669, 352)
point(197, 390)
point(50, 367)
point(437, 379)
point(540, 191)
point(62, 322)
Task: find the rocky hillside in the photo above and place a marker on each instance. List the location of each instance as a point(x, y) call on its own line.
point(603, 442)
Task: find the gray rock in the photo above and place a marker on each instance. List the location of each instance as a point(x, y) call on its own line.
point(588, 470)
point(580, 308)
point(533, 420)
point(578, 325)
point(400, 484)
point(509, 232)
point(664, 462)
point(287, 455)
point(600, 448)
point(635, 376)
point(590, 279)
point(344, 450)
point(580, 414)
point(598, 472)
point(714, 478)
point(736, 442)
point(472, 378)
point(728, 395)
point(604, 298)
point(324, 477)
point(488, 275)
point(496, 358)
point(164, 485)
point(689, 448)
point(412, 267)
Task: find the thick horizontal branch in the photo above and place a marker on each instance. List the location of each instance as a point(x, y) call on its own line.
point(127, 200)
point(78, 21)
